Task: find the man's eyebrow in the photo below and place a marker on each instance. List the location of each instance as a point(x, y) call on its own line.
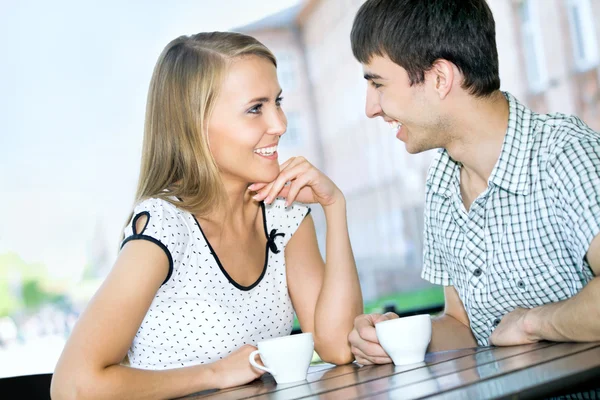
point(371, 76)
point(264, 99)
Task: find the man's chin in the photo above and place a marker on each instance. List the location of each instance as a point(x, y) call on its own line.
point(412, 149)
point(416, 148)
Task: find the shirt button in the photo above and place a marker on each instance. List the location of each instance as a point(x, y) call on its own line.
point(497, 321)
point(521, 284)
point(477, 272)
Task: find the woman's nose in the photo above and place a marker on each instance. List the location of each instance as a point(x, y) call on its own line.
point(277, 123)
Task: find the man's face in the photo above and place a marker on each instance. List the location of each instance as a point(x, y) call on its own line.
point(412, 109)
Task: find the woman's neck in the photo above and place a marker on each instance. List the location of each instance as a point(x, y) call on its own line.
point(238, 211)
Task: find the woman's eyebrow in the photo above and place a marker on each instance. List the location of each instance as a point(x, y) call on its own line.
point(264, 99)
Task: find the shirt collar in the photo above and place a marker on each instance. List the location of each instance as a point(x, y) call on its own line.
point(444, 174)
point(511, 171)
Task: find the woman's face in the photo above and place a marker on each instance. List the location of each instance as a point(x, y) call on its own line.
point(247, 122)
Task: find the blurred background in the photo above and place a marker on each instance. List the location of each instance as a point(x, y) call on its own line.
point(73, 83)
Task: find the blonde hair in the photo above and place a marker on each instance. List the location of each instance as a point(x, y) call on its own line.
point(176, 159)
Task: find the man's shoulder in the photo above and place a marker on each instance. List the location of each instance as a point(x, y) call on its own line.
point(561, 132)
point(563, 145)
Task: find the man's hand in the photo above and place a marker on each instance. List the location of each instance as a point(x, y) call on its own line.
point(363, 339)
point(514, 329)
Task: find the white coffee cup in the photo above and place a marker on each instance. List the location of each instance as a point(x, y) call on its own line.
point(405, 339)
point(287, 358)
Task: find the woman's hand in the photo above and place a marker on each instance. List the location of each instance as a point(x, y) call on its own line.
point(235, 369)
point(306, 184)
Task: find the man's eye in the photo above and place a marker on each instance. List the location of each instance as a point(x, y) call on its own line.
point(376, 85)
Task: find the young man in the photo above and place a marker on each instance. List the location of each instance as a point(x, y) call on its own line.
point(512, 211)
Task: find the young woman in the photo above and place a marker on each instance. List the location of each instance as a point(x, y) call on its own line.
point(221, 250)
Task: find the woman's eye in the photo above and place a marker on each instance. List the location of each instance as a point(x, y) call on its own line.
point(256, 109)
point(278, 101)
point(376, 85)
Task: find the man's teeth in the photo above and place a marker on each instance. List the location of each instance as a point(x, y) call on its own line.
point(395, 125)
point(266, 151)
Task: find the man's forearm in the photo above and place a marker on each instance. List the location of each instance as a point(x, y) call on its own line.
point(574, 320)
point(449, 334)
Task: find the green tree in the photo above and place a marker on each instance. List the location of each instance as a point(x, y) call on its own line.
point(22, 288)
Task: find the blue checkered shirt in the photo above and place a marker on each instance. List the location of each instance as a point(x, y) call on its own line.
point(524, 239)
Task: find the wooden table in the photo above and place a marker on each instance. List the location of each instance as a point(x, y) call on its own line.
point(530, 371)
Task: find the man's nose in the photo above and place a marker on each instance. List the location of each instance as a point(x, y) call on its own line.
point(372, 106)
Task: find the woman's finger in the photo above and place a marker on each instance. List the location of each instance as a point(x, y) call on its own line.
point(262, 193)
point(255, 187)
point(261, 187)
point(290, 173)
point(284, 191)
point(265, 191)
point(288, 162)
point(295, 188)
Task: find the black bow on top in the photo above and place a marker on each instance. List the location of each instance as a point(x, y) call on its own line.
point(271, 240)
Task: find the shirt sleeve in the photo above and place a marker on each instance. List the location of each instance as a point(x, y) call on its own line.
point(284, 220)
point(164, 227)
point(575, 177)
point(434, 268)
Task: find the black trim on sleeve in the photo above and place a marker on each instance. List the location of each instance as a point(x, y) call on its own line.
point(135, 220)
point(159, 244)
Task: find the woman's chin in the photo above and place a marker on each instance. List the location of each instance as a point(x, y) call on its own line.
point(267, 176)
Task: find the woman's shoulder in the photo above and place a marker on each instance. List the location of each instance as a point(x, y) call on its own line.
point(156, 203)
point(160, 209)
point(161, 214)
point(162, 223)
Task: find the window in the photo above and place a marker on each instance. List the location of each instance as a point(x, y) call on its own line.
point(292, 137)
point(537, 76)
point(583, 34)
point(286, 71)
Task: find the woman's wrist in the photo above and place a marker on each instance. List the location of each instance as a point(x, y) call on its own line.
point(208, 376)
point(339, 202)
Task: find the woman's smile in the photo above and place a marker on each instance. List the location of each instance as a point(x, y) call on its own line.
point(268, 152)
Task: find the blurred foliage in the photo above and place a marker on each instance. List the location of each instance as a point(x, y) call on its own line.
point(24, 286)
point(408, 301)
point(8, 302)
point(34, 296)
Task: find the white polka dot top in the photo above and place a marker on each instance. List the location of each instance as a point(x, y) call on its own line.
point(200, 314)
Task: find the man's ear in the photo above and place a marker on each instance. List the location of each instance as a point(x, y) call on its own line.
point(441, 76)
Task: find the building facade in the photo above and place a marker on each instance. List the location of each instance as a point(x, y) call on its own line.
point(548, 51)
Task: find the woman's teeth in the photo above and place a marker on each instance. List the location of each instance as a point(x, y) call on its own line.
point(266, 151)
